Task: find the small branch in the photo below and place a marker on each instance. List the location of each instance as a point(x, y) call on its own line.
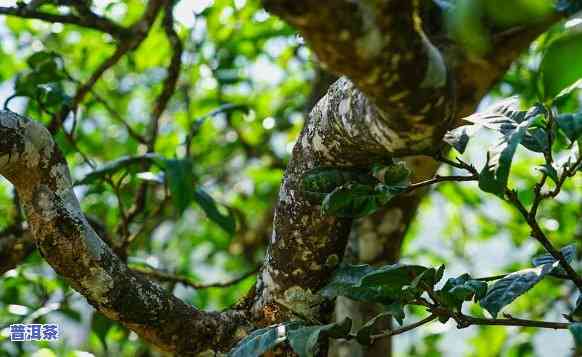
point(173, 74)
point(88, 20)
point(162, 276)
point(465, 321)
point(439, 178)
point(540, 236)
point(389, 333)
point(139, 32)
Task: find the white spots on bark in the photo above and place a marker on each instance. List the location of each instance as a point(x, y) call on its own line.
point(268, 287)
point(98, 283)
point(45, 205)
point(382, 134)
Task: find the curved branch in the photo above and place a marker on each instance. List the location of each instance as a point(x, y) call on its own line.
point(30, 160)
point(88, 20)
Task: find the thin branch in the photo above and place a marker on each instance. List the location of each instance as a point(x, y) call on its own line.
point(88, 20)
point(540, 236)
point(439, 178)
point(173, 74)
point(389, 333)
point(139, 32)
point(163, 276)
point(465, 321)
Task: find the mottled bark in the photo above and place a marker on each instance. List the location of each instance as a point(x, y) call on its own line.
point(347, 128)
point(392, 106)
point(30, 160)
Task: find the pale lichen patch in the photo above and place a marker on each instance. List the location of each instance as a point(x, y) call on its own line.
point(97, 283)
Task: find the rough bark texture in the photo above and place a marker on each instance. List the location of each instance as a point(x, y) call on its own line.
point(30, 160)
point(386, 108)
point(359, 122)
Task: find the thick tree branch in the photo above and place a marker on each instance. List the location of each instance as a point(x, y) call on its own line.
point(347, 129)
point(30, 160)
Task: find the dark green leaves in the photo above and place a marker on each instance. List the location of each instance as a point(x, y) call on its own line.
point(505, 290)
point(494, 176)
point(346, 282)
point(396, 175)
point(178, 175)
point(180, 179)
point(560, 70)
point(571, 125)
point(43, 81)
point(225, 221)
point(576, 331)
point(262, 340)
point(348, 192)
point(320, 181)
point(569, 252)
point(461, 289)
point(356, 200)
point(511, 126)
point(387, 285)
point(304, 340)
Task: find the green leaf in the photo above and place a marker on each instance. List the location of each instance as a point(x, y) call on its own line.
point(536, 140)
point(577, 313)
point(460, 289)
point(505, 290)
point(396, 176)
point(571, 125)
point(569, 252)
point(317, 183)
point(396, 275)
point(262, 340)
point(100, 326)
point(225, 221)
point(356, 200)
point(576, 331)
point(304, 340)
point(52, 95)
point(459, 137)
point(550, 171)
point(180, 177)
point(346, 282)
point(116, 166)
point(511, 127)
point(559, 69)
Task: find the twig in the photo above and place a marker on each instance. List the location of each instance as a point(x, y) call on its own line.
point(88, 20)
point(389, 333)
point(173, 74)
point(540, 236)
point(163, 276)
point(139, 31)
point(439, 178)
point(466, 321)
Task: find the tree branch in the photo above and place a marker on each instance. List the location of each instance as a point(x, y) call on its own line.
point(88, 20)
point(30, 160)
